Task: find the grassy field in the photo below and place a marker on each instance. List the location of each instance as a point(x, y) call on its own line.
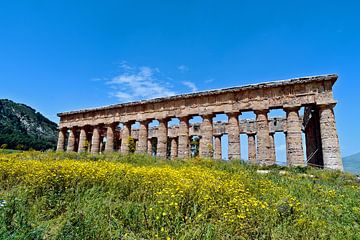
point(70, 196)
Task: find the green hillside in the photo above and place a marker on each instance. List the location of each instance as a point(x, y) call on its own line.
point(352, 163)
point(22, 127)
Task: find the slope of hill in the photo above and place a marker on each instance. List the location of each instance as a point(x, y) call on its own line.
point(352, 163)
point(23, 127)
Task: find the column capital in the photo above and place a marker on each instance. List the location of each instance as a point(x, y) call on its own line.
point(291, 108)
point(207, 115)
point(329, 105)
point(261, 111)
point(183, 118)
point(233, 114)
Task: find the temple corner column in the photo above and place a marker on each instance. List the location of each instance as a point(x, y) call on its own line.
point(329, 137)
point(61, 140)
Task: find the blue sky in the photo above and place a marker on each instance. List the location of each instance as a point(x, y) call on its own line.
point(63, 55)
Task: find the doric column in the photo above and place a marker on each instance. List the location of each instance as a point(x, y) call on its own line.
point(272, 147)
point(95, 140)
point(82, 140)
point(61, 140)
point(263, 142)
point(71, 140)
point(251, 148)
point(217, 147)
point(206, 141)
point(294, 149)
point(184, 143)
point(162, 138)
point(110, 137)
point(234, 136)
point(329, 138)
point(149, 146)
point(143, 137)
point(125, 134)
point(174, 148)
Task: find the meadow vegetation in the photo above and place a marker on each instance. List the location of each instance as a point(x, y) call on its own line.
point(79, 196)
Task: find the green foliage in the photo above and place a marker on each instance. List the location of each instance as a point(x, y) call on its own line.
point(4, 146)
point(131, 144)
point(21, 125)
point(111, 196)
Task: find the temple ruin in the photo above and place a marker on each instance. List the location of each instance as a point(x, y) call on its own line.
point(308, 103)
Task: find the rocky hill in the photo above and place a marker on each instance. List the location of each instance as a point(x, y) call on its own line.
point(352, 163)
point(22, 127)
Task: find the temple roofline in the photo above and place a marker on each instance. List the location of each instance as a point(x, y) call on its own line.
point(271, 84)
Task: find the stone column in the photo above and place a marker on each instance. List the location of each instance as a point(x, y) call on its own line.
point(206, 141)
point(71, 140)
point(95, 140)
point(174, 148)
point(272, 147)
point(149, 147)
point(61, 140)
point(82, 140)
point(125, 134)
point(184, 143)
point(294, 149)
point(162, 138)
point(234, 136)
point(143, 137)
point(217, 153)
point(263, 142)
point(110, 137)
point(251, 148)
point(329, 138)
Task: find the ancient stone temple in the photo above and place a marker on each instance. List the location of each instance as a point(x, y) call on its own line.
point(308, 103)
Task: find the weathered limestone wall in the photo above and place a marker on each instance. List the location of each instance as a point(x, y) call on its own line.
point(96, 130)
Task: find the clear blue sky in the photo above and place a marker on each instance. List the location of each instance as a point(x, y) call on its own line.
point(63, 55)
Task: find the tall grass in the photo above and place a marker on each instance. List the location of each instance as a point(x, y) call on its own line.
point(80, 196)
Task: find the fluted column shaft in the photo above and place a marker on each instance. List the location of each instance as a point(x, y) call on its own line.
point(61, 140)
point(71, 140)
point(162, 138)
point(149, 147)
point(95, 140)
point(125, 134)
point(263, 138)
point(251, 148)
point(206, 143)
point(272, 147)
point(110, 138)
point(329, 138)
point(294, 149)
point(184, 142)
point(143, 137)
point(234, 136)
point(82, 140)
point(217, 147)
point(174, 148)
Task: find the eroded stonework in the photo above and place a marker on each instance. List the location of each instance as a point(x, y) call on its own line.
point(98, 130)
